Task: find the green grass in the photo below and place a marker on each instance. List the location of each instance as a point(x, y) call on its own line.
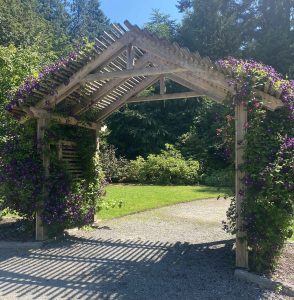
point(138, 198)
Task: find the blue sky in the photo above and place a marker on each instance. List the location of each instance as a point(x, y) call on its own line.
point(137, 11)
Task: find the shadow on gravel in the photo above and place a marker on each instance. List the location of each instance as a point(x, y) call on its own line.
point(79, 268)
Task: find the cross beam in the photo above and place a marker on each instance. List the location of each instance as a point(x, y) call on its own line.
point(133, 73)
point(174, 96)
point(39, 113)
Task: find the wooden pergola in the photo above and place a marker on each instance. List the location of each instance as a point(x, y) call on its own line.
point(124, 62)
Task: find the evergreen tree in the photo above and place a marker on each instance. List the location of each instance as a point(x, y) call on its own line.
point(216, 28)
point(162, 25)
point(273, 39)
point(88, 20)
point(144, 128)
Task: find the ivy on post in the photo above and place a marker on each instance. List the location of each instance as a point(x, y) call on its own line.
point(42, 124)
point(241, 237)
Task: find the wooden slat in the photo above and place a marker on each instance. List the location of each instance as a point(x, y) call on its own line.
point(120, 102)
point(110, 86)
point(68, 154)
point(112, 50)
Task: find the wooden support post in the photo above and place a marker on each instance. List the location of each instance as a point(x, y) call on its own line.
point(162, 85)
point(97, 141)
point(98, 129)
point(240, 130)
point(130, 57)
point(42, 123)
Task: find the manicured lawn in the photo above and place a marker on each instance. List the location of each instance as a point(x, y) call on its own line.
point(138, 198)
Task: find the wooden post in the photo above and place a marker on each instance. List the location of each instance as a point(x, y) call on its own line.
point(130, 57)
point(98, 129)
point(240, 130)
point(97, 141)
point(162, 85)
point(42, 123)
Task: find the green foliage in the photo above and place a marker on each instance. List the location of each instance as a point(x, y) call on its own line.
point(162, 25)
point(268, 191)
point(216, 28)
point(140, 129)
point(20, 179)
point(27, 23)
point(87, 19)
point(269, 200)
point(273, 39)
point(201, 142)
point(168, 167)
point(221, 178)
point(15, 65)
point(114, 168)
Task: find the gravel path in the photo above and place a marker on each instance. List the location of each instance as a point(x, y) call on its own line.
point(176, 252)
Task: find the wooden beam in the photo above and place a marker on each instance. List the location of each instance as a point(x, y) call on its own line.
point(113, 50)
point(44, 149)
point(120, 102)
point(162, 85)
point(185, 83)
point(130, 56)
point(183, 95)
point(133, 73)
point(198, 85)
point(198, 67)
point(241, 238)
point(269, 102)
point(107, 88)
point(42, 113)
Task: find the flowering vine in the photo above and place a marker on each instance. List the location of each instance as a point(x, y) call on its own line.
point(269, 160)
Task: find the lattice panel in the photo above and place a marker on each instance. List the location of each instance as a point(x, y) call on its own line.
point(67, 152)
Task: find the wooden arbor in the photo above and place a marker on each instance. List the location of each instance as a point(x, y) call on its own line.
point(124, 62)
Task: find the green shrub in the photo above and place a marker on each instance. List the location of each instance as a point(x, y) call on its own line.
point(220, 178)
point(114, 168)
point(168, 167)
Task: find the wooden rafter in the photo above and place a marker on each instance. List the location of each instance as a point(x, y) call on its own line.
point(179, 56)
point(107, 88)
point(120, 102)
point(186, 80)
point(112, 50)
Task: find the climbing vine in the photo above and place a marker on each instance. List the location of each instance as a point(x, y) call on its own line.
point(269, 161)
point(70, 203)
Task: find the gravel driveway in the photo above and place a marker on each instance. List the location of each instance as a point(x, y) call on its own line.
point(175, 252)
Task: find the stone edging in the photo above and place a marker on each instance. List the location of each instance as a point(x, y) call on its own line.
point(264, 283)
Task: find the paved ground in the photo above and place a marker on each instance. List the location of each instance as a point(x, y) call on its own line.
point(177, 252)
